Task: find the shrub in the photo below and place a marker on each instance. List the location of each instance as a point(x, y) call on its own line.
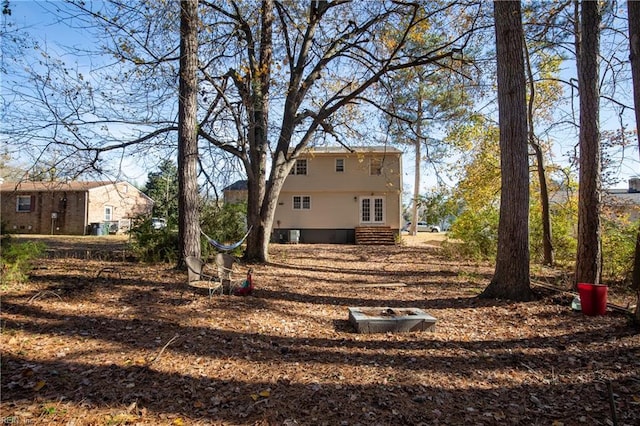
point(618, 249)
point(227, 223)
point(477, 233)
point(154, 245)
point(564, 218)
point(16, 259)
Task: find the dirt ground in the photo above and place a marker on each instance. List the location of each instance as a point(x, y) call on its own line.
point(95, 340)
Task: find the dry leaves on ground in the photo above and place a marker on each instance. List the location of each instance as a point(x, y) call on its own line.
point(136, 346)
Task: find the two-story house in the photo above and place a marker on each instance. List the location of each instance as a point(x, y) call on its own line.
point(71, 208)
point(332, 193)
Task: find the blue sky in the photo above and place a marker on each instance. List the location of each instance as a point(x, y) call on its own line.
point(35, 17)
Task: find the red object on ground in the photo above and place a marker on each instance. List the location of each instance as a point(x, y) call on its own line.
point(593, 298)
point(246, 288)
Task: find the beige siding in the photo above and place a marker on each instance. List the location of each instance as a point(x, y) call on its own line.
point(322, 175)
point(336, 196)
point(335, 210)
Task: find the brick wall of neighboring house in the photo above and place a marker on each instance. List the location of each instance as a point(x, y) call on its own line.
point(70, 208)
point(117, 203)
point(50, 213)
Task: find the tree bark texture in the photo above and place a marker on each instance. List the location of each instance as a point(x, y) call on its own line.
point(257, 103)
point(511, 279)
point(633, 8)
point(589, 254)
point(188, 217)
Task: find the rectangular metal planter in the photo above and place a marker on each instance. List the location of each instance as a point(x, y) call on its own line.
point(390, 320)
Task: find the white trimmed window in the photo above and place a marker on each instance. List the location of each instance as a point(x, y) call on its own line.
point(23, 203)
point(301, 202)
point(375, 166)
point(300, 168)
point(108, 213)
point(339, 165)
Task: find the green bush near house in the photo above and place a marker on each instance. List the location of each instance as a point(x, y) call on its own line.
point(225, 224)
point(16, 259)
point(222, 223)
point(152, 245)
point(618, 248)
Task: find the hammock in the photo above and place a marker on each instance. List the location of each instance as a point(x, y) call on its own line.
point(224, 247)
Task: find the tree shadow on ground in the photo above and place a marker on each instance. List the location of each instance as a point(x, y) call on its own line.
point(121, 349)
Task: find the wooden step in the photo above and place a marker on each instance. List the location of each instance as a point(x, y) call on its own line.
point(375, 235)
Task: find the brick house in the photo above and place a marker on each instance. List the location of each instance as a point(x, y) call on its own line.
point(335, 195)
point(71, 208)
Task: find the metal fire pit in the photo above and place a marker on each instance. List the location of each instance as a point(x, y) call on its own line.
point(384, 320)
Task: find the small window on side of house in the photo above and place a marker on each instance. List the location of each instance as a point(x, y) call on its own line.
point(108, 213)
point(300, 168)
point(375, 166)
point(23, 203)
point(339, 165)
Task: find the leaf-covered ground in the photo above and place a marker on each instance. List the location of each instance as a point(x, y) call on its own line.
point(134, 345)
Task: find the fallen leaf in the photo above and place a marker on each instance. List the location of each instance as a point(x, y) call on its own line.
point(39, 385)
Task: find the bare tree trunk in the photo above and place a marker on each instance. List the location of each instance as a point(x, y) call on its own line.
point(589, 258)
point(511, 279)
point(633, 8)
point(188, 215)
point(416, 178)
point(547, 242)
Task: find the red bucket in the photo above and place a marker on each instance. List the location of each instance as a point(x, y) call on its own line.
point(593, 298)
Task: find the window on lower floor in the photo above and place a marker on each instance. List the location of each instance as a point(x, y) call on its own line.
point(301, 202)
point(23, 203)
point(108, 213)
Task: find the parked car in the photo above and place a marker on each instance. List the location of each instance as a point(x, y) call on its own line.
point(422, 227)
point(158, 223)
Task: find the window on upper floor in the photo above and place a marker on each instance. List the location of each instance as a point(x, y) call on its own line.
point(108, 213)
point(301, 202)
point(300, 168)
point(339, 165)
point(23, 203)
point(375, 166)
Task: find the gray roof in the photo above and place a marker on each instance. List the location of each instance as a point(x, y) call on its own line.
point(52, 186)
point(239, 185)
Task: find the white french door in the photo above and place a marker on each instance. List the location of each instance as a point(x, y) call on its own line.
point(372, 210)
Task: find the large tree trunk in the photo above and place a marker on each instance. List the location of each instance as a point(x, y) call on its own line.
point(634, 56)
point(260, 205)
point(511, 279)
point(589, 259)
point(188, 215)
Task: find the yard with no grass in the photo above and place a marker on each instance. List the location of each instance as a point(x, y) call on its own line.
point(92, 339)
